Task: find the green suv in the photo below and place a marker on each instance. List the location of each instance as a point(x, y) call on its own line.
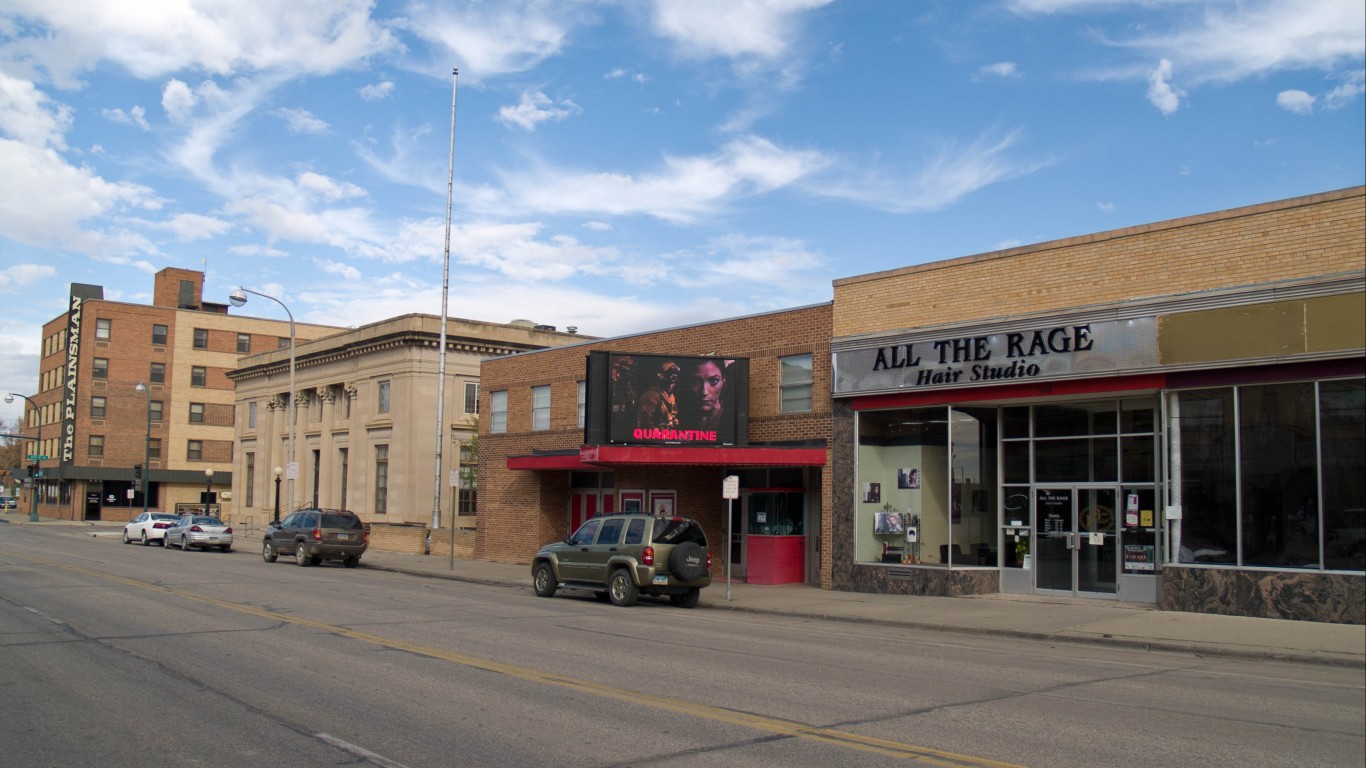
point(621, 557)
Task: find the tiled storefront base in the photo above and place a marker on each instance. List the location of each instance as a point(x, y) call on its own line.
point(1307, 596)
point(929, 582)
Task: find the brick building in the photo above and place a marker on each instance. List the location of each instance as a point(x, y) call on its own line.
point(559, 443)
point(97, 426)
point(1169, 413)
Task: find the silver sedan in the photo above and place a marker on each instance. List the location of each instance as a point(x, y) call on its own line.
point(200, 531)
point(149, 528)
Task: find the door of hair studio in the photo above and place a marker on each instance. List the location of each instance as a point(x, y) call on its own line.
point(1076, 538)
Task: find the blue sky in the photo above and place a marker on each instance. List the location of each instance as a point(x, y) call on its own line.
point(624, 166)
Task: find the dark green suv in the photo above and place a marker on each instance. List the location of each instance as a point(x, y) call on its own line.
point(621, 557)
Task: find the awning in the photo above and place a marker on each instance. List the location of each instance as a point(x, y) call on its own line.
point(594, 457)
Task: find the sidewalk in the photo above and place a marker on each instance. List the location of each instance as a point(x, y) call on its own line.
point(1055, 619)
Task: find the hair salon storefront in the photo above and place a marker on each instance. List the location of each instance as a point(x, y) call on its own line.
point(1169, 414)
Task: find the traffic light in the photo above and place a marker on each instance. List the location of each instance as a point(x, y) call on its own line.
point(32, 470)
point(137, 471)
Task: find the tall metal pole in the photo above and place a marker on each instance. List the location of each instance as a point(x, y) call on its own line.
point(37, 463)
point(238, 298)
point(445, 295)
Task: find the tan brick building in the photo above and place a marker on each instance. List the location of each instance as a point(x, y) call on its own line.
point(553, 452)
point(1168, 413)
point(97, 426)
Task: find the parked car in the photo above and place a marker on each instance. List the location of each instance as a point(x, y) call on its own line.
point(315, 535)
point(202, 531)
point(620, 557)
point(8, 502)
point(149, 528)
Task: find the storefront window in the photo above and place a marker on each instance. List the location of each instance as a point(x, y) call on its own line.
point(1342, 435)
point(1280, 507)
point(776, 514)
point(1209, 531)
point(904, 487)
point(973, 500)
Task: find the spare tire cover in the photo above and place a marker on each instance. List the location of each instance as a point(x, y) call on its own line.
point(688, 561)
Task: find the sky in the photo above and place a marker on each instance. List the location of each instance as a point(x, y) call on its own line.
point(628, 165)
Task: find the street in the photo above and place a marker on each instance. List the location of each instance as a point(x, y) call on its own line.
point(120, 655)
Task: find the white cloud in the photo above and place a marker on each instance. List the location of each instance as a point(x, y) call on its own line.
point(1003, 69)
point(775, 262)
point(492, 39)
point(302, 121)
point(1298, 102)
point(734, 29)
point(1105, 207)
point(257, 250)
point(30, 116)
point(178, 100)
point(20, 275)
point(518, 251)
point(534, 108)
point(1347, 92)
point(376, 91)
point(328, 189)
point(192, 226)
point(337, 268)
point(1161, 93)
point(134, 116)
point(597, 226)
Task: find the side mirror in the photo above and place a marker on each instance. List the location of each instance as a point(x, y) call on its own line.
point(275, 524)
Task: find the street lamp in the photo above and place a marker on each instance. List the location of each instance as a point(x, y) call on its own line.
point(278, 471)
point(145, 480)
point(239, 298)
point(37, 451)
point(208, 488)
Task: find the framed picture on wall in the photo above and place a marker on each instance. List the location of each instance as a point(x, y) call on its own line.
point(662, 503)
point(908, 478)
point(872, 493)
point(633, 502)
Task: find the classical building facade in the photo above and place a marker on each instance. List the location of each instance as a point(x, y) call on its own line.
point(99, 430)
point(365, 432)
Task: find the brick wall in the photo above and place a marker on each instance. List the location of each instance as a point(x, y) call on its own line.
point(1316, 235)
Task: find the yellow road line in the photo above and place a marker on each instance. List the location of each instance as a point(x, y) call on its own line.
point(744, 719)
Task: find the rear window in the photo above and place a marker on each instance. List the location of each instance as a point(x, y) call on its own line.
point(676, 530)
point(345, 522)
point(207, 521)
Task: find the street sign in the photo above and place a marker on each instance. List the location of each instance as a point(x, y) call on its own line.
point(730, 487)
point(36, 457)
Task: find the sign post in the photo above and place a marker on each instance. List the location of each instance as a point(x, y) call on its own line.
point(730, 491)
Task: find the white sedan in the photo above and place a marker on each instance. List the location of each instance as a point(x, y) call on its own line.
point(199, 531)
point(149, 527)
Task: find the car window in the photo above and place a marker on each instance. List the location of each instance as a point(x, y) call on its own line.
point(345, 522)
point(586, 532)
point(676, 530)
point(635, 532)
point(207, 521)
point(611, 530)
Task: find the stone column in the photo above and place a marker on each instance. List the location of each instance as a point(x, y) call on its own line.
point(327, 460)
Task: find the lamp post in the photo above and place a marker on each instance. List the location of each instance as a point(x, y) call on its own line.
point(208, 488)
point(38, 443)
point(239, 298)
point(278, 472)
point(146, 478)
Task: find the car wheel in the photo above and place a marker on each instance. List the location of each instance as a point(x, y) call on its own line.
point(145, 540)
point(268, 552)
point(301, 557)
point(226, 548)
point(352, 561)
point(688, 561)
point(543, 580)
point(688, 600)
point(184, 544)
point(126, 540)
point(621, 589)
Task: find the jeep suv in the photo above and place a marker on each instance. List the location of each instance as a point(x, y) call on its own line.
point(315, 535)
point(621, 557)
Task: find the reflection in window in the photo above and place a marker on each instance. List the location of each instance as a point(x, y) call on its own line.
point(1279, 475)
point(1342, 435)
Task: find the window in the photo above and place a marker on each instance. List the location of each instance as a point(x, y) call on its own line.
point(194, 450)
point(154, 411)
point(382, 405)
point(583, 399)
point(282, 342)
point(243, 343)
point(251, 480)
point(157, 374)
point(198, 375)
point(794, 385)
point(201, 338)
point(97, 407)
point(498, 411)
point(471, 397)
point(96, 445)
point(381, 479)
point(154, 448)
point(100, 369)
point(103, 329)
point(540, 408)
point(196, 413)
point(159, 335)
point(251, 415)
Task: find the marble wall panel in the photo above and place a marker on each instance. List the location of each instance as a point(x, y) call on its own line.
point(1336, 598)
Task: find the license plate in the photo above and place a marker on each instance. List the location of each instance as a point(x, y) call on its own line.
point(343, 536)
point(661, 579)
point(213, 538)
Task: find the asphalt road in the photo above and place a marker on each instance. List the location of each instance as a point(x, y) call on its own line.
point(117, 655)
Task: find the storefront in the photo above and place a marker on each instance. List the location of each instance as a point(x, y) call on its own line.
point(1168, 414)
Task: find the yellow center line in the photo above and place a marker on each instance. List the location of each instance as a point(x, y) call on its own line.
point(744, 719)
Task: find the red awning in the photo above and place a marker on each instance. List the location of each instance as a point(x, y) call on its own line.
point(598, 456)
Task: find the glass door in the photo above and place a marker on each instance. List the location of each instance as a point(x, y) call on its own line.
point(1076, 541)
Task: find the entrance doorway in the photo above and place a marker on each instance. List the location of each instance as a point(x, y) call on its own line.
point(1076, 541)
